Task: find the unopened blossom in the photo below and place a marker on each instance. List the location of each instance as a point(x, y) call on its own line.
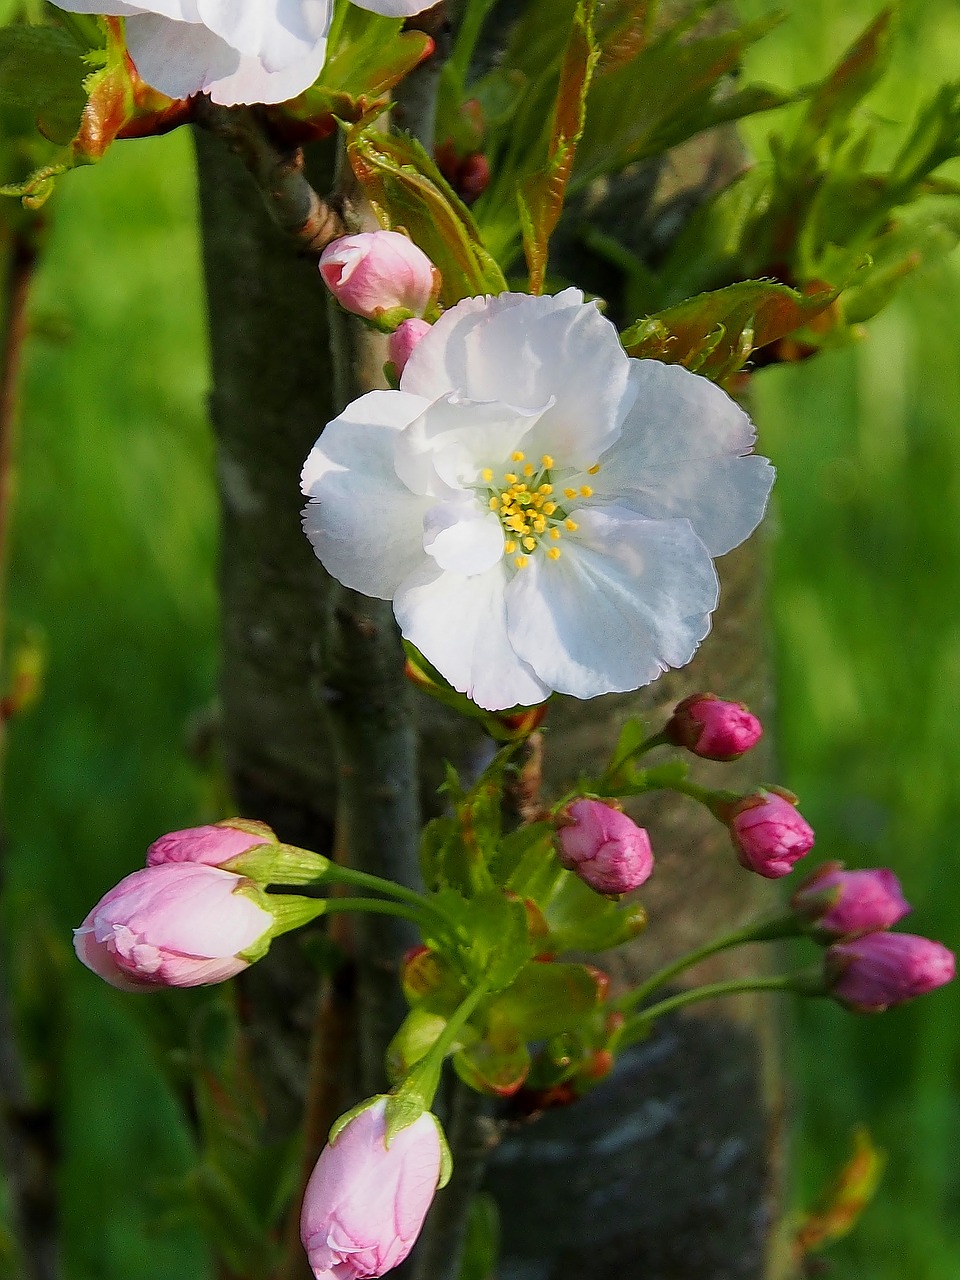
point(377, 272)
point(179, 924)
point(847, 904)
point(542, 510)
point(402, 341)
point(882, 969)
point(212, 844)
point(605, 847)
point(367, 1198)
point(769, 834)
point(713, 728)
point(235, 50)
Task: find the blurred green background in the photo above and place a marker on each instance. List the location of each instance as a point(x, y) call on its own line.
point(114, 548)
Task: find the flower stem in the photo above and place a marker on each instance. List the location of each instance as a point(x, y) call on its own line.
point(764, 930)
point(637, 1027)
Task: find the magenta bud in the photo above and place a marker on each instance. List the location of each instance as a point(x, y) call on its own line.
point(606, 849)
point(401, 342)
point(769, 834)
point(848, 904)
point(712, 728)
point(869, 974)
point(378, 271)
point(179, 924)
point(366, 1200)
point(212, 845)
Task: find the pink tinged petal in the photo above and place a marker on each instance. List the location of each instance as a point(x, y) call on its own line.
point(528, 351)
point(463, 536)
point(459, 624)
point(453, 440)
point(685, 450)
point(627, 599)
point(365, 525)
point(212, 844)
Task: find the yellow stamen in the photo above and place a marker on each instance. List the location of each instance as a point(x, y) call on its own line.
point(571, 525)
point(554, 553)
point(539, 524)
point(569, 493)
point(517, 457)
point(529, 544)
point(546, 488)
point(592, 471)
point(486, 475)
point(509, 548)
point(494, 502)
point(555, 534)
point(521, 562)
point(529, 469)
point(586, 491)
point(546, 462)
point(510, 477)
point(549, 508)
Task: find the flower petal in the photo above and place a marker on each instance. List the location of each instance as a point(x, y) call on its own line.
point(685, 451)
point(628, 598)
point(395, 8)
point(365, 525)
point(459, 625)
point(447, 446)
point(182, 10)
point(279, 33)
point(181, 59)
point(532, 352)
point(462, 536)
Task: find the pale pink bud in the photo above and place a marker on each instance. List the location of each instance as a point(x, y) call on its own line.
point(179, 924)
point(846, 904)
point(401, 342)
point(712, 728)
point(376, 272)
point(604, 847)
point(870, 974)
point(769, 834)
point(366, 1200)
point(212, 844)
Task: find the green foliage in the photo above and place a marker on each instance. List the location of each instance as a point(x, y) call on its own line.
point(42, 71)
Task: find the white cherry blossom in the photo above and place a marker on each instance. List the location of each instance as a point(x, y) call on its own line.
point(542, 510)
point(238, 51)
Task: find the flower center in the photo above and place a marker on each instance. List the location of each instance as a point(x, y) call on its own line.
point(531, 513)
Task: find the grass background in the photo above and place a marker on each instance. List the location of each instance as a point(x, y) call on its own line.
point(113, 563)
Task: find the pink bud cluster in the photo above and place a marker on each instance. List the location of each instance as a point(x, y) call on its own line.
point(606, 849)
point(867, 968)
point(376, 273)
point(768, 833)
point(183, 920)
point(713, 728)
point(369, 1194)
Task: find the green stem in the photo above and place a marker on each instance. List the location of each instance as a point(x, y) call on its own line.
point(766, 930)
point(637, 1027)
point(648, 744)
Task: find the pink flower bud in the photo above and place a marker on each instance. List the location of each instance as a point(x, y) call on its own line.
point(769, 834)
point(604, 847)
point(366, 1200)
point(847, 904)
point(870, 974)
point(712, 728)
point(378, 271)
point(401, 342)
point(213, 844)
point(179, 924)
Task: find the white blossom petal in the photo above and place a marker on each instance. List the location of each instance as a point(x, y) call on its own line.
point(279, 33)
point(450, 443)
point(531, 352)
point(462, 536)
point(395, 8)
point(365, 525)
point(685, 451)
point(628, 598)
point(459, 624)
point(182, 10)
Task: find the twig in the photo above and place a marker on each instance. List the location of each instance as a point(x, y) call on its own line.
point(278, 171)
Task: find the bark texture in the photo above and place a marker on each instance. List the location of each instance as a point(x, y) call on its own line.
point(670, 1170)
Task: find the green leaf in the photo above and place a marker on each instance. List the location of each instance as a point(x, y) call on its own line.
point(496, 940)
point(582, 920)
point(546, 999)
point(42, 69)
point(416, 1035)
point(497, 1069)
point(715, 333)
point(854, 76)
point(406, 189)
point(541, 194)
